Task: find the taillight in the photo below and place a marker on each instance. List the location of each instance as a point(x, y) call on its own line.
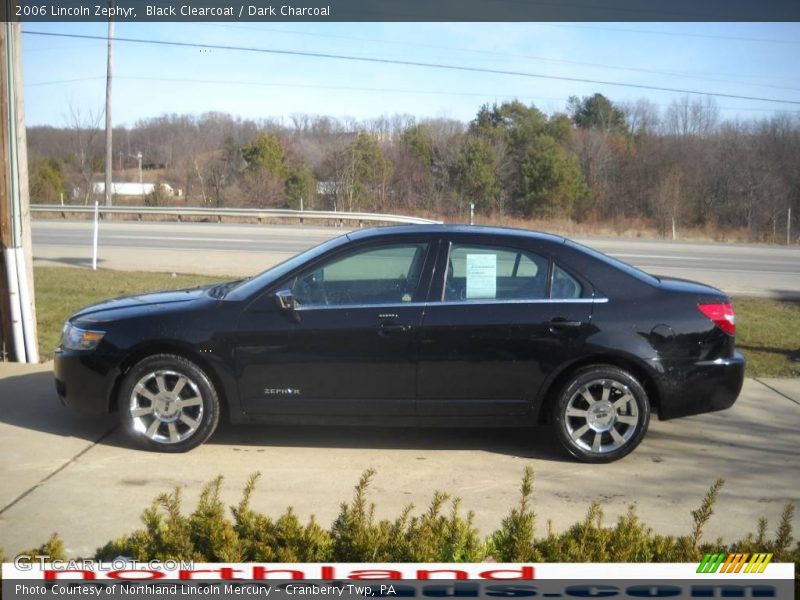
point(722, 315)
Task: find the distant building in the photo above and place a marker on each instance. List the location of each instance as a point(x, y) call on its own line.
point(327, 188)
point(130, 189)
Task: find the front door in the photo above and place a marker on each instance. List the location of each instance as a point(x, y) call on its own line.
point(351, 345)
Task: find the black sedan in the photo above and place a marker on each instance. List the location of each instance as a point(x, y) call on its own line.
point(436, 325)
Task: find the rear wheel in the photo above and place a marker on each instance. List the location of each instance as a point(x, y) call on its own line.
point(601, 414)
point(167, 403)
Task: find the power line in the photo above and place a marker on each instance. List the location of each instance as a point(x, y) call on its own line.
point(60, 81)
point(701, 76)
point(410, 63)
point(717, 77)
point(348, 88)
point(676, 33)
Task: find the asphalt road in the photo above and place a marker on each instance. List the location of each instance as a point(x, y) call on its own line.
point(78, 475)
point(238, 250)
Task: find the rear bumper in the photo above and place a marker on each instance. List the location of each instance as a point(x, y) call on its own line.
point(700, 387)
point(83, 380)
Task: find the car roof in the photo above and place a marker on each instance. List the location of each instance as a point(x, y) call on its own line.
point(511, 232)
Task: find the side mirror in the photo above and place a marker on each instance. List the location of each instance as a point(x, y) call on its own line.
point(285, 299)
point(287, 303)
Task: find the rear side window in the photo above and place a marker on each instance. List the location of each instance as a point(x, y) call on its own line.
point(616, 263)
point(477, 272)
point(564, 286)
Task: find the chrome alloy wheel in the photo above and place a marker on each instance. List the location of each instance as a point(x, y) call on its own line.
point(601, 416)
point(166, 406)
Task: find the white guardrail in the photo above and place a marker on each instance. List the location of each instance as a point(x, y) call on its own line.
point(219, 213)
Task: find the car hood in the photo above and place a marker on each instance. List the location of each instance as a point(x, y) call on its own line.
point(674, 284)
point(114, 308)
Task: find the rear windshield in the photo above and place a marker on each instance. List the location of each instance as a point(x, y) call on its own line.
point(617, 264)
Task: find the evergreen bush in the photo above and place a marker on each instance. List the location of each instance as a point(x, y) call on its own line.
point(443, 533)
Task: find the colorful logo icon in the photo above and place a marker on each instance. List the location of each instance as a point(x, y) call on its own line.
point(743, 562)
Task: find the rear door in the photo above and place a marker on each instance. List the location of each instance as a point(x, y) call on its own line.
point(499, 320)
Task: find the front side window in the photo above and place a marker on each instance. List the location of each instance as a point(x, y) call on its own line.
point(371, 276)
point(494, 273)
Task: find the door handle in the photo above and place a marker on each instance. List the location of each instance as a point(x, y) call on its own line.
point(392, 327)
point(559, 324)
point(388, 325)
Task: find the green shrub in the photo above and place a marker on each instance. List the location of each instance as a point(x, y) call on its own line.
point(440, 534)
point(52, 548)
point(515, 540)
point(780, 546)
point(284, 540)
point(437, 537)
point(355, 535)
point(159, 196)
point(166, 534)
point(703, 514)
point(431, 537)
point(212, 535)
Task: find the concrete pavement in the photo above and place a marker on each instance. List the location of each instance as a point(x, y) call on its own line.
point(64, 471)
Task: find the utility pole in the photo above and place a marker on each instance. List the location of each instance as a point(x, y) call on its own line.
point(141, 185)
point(7, 325)
point(18, 314)
point(109, 128)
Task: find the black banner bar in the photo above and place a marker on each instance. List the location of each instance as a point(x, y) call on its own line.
point(712, 587)
point(402, 10)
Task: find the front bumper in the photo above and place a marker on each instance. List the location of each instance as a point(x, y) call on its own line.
point(83, 380)
point(700, 387)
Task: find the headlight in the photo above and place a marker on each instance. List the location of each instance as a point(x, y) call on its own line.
point(75, 338)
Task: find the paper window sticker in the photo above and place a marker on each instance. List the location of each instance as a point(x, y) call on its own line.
point(481, 276)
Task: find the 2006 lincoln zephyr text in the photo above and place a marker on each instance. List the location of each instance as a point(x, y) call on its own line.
point(438, 325)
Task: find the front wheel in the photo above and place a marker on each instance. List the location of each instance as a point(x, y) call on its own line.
point(601, 414)
point(167, 403)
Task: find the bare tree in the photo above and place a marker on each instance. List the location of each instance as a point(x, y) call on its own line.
point(86, 150)
point(692, 116)
point(683, 163)
point(642, 117)
point(668, 201)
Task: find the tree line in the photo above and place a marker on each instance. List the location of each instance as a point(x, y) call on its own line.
point(597, 162)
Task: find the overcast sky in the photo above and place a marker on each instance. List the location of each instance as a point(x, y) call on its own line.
point(740, 59)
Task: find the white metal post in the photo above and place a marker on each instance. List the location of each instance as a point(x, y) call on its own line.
point(17, 337)
point(472, 213)
point(788, 226)
point(26, 312)
point(96, 228)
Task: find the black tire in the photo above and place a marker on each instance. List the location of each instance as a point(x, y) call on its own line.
point(619, 414)
point(168, 403)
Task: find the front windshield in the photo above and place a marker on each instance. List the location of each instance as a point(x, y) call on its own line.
point(248, 287)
